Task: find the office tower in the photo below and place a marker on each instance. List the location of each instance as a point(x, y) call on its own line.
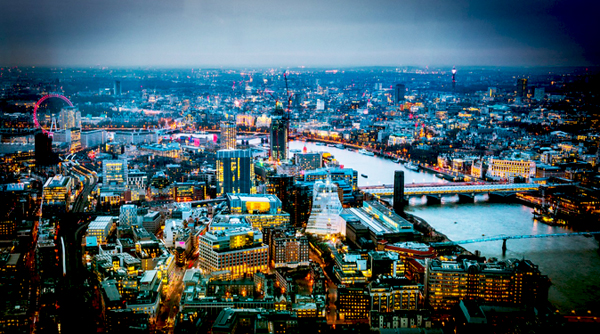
point(128, 216)
point(282, 186)
point(114, 172)
point(238, 250)
point(399, 192)
point(512, 283)
point(399, 93)
point(522, 88)
point(70, 117)
point(453, 78)
point(235, 172)
point(117, 88)
point(326, 209)
point(278, 134)
point(228, 135)
point(43, 150)
point(302, 202)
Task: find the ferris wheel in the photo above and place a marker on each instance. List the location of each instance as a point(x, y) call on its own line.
point(38, 103)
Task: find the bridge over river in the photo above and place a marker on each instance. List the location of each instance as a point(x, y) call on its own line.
point(507, 237)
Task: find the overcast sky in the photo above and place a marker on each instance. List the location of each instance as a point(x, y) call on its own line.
point(299, 33)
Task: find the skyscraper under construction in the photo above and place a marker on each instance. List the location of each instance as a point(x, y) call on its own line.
point(278, 134)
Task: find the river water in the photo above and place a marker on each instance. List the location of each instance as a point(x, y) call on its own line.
point(572, 263)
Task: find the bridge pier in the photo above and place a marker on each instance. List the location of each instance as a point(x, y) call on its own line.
point(466, 198)
point(504, 247)
point(501, 197)
point(433, 199)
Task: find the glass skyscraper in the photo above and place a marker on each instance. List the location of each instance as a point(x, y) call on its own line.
point(235, 172)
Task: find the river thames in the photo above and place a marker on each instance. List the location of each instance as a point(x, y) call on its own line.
point(572, 263)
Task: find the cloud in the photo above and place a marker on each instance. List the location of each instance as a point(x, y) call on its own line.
point(269, 32)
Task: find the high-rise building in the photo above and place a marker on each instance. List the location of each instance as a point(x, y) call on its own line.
point(453, 78)
point(302, 202)
point(235, 172)
point(117, 88)
point(228, 135)
point(282, 186)
point(70, 117)
point(512, 282)
point(114, 172)
point(326, 209)
point(278, 134)
point(522, 88)
point(399, 93)
point(399, 192)
point(43, 150)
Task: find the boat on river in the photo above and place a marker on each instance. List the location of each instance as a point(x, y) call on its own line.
point(412, 166)
point(364, 175)
point(365, 152)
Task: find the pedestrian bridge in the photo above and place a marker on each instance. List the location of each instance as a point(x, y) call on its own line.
point(457, 189)
point(507, 237)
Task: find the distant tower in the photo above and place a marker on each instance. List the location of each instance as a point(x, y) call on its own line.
point(278, 134)
point(117, 88)
point(399, 192)
point(228, 135)
point(522, 88)
point(453, 78)
point(400, 92)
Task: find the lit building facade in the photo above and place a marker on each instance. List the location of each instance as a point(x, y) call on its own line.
point(260, 210)
point(353, 303)
point(335, 174)
point(308, 161)
point(235, 172)
point(509, 169)
point(128, 216)
point(511, 282)
point(100, 228)
point(228, 135)
point(288, 249)
point(57, 193)
point(69, 117)
point(326, 209)
point(114, 172)
point(238, 250)
point(389, 296)
point(93, 138)
point(188, 191)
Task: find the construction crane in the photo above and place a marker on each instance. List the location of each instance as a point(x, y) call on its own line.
point(287, 114)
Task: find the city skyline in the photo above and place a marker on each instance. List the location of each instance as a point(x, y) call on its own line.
point(270, 33)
